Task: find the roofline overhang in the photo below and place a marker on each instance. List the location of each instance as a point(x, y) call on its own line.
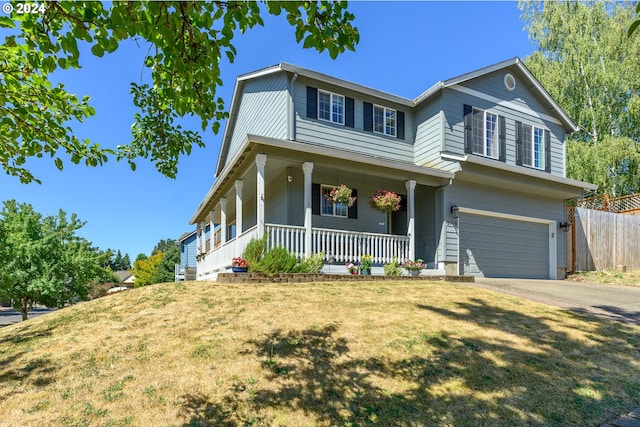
point(435, 176)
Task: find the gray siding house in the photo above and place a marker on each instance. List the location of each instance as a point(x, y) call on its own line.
point(479, 160)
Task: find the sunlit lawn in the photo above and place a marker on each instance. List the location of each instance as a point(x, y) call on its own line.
point(388, 354)
point(608, 277)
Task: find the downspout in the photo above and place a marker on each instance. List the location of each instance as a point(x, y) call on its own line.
point(442, 213)
point(292, 108)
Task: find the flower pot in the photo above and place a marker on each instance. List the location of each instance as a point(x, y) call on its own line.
point(414, 272)
point(239, 269)
point(365, 272)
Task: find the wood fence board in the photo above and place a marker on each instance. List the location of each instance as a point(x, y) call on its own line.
point(605, 240)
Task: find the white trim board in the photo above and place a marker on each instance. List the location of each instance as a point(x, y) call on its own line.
point(553, 244)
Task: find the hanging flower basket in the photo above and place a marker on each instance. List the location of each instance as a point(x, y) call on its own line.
point(341, 194)
point(385, 201)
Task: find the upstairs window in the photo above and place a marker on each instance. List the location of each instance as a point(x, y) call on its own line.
point(331, 107)
point(484, 133)
point(384, 120)
point(533, 147)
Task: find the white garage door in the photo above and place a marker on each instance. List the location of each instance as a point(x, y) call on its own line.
point(498, 247)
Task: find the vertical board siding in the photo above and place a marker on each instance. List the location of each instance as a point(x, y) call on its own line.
point(605, 240)
point(354, 139)
point(262, 110)
point(452, 106)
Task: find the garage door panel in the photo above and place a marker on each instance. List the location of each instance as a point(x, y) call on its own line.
point(497, 247)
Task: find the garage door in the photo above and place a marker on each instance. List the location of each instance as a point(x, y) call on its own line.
point(498, 247)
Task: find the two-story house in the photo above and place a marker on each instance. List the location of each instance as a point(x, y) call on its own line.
point(479, 160)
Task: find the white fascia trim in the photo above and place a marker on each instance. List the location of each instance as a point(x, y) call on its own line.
point(456, 157)
point(553, 245)
point(507, 104)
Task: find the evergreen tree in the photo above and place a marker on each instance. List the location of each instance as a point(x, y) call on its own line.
point(126, 262)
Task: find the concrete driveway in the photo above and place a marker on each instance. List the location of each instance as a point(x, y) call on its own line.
point(621, 303)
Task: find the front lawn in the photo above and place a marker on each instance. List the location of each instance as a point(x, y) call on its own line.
point(365, 353)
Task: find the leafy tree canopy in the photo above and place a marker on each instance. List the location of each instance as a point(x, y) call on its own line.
point(43, 260)
point(186, 41)
point(591, 67)
point(146, 270)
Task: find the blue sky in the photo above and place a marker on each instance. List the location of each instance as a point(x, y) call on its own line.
point(405, 47)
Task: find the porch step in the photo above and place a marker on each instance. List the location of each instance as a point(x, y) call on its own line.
point(308, 278)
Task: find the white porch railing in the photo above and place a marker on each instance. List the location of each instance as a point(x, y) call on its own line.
point(220, 258)
point(349, 246)
point(338, 246)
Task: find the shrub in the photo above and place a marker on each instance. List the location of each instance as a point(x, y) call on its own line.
point(312, 264)
point(392, 268)
point(255, 250)
point(276, 260)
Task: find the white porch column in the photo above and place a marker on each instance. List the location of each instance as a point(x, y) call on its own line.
point(261, 160)
point(307, 168)
point(239, 185)
point(223, 220)
point(411, 225)
point(212, 234)
point(198, 242)
point(203, 238)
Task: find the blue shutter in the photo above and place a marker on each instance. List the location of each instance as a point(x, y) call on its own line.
point(352, 212)
point(468, 136)
point(400, 127)
point(315, 199)
point(349, 112)
point(368, 116)
point(312, 102)
point(519, 143)
point(547, 151)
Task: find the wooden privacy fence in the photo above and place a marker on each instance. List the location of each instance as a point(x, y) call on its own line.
point(601, 240)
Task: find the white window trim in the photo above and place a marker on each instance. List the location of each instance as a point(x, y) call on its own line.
point(333, 215)
point(384, 118)
point(533, 151)
point(331, 98)
point(484, 134)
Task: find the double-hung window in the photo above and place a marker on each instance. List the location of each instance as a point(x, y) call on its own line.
point(331, 107)
point(328, 208)
point(485, 133)
point(533, 147)
point(384, 120)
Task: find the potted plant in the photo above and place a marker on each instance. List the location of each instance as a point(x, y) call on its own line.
point(385, 201)
point(413, 267)
point(341, 194)
point(239, 265)
point(353, 268)
point(365, 265)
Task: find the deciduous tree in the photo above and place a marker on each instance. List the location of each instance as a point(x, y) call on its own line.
point(591, 67)
point(186, 41)
point(146, 270)
point(43, 260)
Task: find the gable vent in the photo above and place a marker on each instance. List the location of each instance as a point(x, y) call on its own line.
point(509, 82)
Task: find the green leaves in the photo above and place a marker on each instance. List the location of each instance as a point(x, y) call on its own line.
point(187, 41)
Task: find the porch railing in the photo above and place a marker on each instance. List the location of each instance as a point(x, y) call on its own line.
point(338, 246)
point(220, 258)
point(349, 246)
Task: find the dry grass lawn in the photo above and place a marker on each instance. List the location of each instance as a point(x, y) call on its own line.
point(608, 277)
point(387, 354)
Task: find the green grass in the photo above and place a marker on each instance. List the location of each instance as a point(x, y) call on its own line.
point(608, 277)
point(366, 353)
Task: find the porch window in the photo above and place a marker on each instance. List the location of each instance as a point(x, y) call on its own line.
point(384, 120)
point(330, 107)
point(331, 209)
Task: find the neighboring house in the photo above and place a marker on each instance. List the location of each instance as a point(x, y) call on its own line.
point(186, 270)
point(480, 161)
point(126, 278)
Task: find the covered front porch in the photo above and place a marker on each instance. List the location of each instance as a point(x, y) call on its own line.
point(278, 192)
